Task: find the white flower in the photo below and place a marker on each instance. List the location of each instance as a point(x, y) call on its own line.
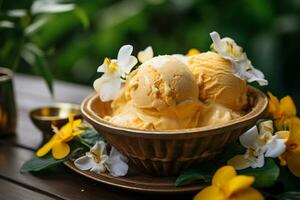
point(117, 163)
point(94, 160)
point(98, 161)
point(115, 70)
point(259, 145)
point(145, 55)
point(227, 48)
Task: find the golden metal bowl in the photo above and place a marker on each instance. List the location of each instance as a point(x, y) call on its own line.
point(166, 153)
point(56, 114)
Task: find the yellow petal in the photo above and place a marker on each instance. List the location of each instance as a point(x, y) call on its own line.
point(294, 127)
point(287, 106)
point(65, 131)
point(76, 123)
point(71, 118)
point(210, 193)
point(274, 105)
point(238, 183)
point(47, 147)
point(239, 162)
point(293, 163)
point(248, 194)
point(60, 150)
point(223, 175)
point(282, 159)
point(193, 51)
point(75, 133)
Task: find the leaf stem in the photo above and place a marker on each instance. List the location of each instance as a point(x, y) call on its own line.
point(83, 142)
point(18, 56)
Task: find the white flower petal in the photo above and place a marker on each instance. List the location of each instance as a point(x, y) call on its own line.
point(99, 148)
point(99, 168)
point(258, 162)
point(114, 153)
point(110, 89)
point(117, 163)
point(266, 127)
point(126, 68)
point(249, 138)
point(239, 162)
point(218, 46)
point(98, 83)
point(228, 49)
point(101, 68)
point(275, 148)
point(84, 163)
point(124, 54)
point(145, 55)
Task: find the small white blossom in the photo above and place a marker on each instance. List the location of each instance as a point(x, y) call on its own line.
point(97, 160)
point(115, 71)
point(227, 48)
point(259, 144)
point(94, 160)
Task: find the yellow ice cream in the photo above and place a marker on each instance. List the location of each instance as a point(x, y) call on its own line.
point(216, 81)
point(161, 94)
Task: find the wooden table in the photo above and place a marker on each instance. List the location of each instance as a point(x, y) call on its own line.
point(61, 182)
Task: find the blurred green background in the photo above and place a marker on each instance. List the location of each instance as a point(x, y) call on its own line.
point(267, 29)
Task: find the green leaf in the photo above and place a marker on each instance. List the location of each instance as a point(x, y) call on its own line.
point(38, 164)
point(82, 16)
point(292, 195)
point(264, 176)
point(90, 137)
point(34, 56)
point(36, 25)
point(204, 173)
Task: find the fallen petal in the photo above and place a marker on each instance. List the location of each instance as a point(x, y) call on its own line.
point(84, 163)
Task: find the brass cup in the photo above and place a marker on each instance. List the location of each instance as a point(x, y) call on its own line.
point(8, 114)
point(56, 115)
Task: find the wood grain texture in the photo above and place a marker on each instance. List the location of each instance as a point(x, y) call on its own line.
point(9, 190)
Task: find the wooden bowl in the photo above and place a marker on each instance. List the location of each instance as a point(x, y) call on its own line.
point(166, 153)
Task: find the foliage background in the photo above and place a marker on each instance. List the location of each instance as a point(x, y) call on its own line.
point(268, 30)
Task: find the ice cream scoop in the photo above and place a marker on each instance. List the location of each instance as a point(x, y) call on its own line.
point(162, 94)
point(217, 82)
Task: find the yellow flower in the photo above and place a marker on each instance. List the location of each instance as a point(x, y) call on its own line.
point(193, 51)
point(291, 157)
point(227, 185)
point(58, 143)
point(282, 111)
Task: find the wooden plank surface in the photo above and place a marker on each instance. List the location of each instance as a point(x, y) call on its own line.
point(11, 191)
point(61, 183)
